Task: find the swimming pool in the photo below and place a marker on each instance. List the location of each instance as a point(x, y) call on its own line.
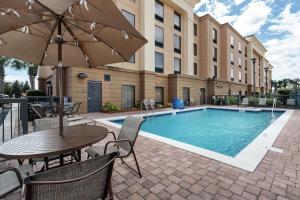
point(236, 136)
point(223, 131)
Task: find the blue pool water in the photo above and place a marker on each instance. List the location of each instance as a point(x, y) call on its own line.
point(223, 131)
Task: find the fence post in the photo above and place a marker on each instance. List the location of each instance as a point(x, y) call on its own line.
point(24, 115)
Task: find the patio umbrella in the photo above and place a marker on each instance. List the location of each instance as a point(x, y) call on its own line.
point(83, 33)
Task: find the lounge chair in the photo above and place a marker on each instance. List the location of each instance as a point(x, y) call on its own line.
point(291, 103)
point(124, 143)
point(11, 179)
point(262, 102)
point(88, 180)
point(73, 110)
point(245, 102)
point(39, 111)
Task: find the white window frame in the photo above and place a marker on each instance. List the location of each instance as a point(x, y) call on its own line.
point(231, 56)
point(231, 40)
point(240, 47)
point(231, 73)
point(240, 75)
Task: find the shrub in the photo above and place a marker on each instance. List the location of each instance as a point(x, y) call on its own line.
point(159, 105)
point(284, 92)
point(110, 107)
point(35, 93)
point(230, 100)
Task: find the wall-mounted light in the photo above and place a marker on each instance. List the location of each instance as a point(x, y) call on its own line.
point(82, 75)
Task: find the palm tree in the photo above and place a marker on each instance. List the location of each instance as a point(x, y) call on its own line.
point(31, 70)
point(4, 62)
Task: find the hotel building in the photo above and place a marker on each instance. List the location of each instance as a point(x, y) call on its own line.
point(186, 56)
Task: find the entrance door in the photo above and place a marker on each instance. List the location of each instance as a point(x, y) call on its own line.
point(186, 95)
point(94, 96)
point(127, 97)
point(202, 96)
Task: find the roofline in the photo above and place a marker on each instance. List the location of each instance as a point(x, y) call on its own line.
point(235, 31)
point(259, 42)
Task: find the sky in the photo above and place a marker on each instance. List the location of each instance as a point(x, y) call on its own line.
point(275, 22)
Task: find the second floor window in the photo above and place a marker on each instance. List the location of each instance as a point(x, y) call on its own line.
point(159, 36)
point(177, 21)
point(246, 65)
point(215, 35)
point(215, 71)
point(215, 54)
point(195, 49)
point(246, 78)
point(177, 44)
point(159, 62)
point(195, 30)
point(159, 11)
point(231, 42)
point(246, 53)
point(195, 69)
point(177, 65)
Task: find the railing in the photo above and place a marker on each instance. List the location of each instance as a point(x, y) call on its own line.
point(281, 100)
point(14, 118)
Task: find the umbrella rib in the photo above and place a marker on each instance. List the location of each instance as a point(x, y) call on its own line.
point(105, 25)
point(99, 40)
point(73, 35)
point(49, 39)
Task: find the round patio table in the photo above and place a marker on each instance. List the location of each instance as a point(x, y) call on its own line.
point(44, 144)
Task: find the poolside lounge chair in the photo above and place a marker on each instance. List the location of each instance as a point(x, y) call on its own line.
point(262, 102)
point(124, 143)
point(73, 110)
point(245, 102)
point(11, 179)
point(291, 103)
point(88, 180)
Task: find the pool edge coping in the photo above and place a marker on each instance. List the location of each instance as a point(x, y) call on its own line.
point(248, 158)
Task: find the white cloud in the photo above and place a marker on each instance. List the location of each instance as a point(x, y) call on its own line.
point(217, 9)
point(284, 51)
point(253, 17)
point(13, 78)
point(238, 2)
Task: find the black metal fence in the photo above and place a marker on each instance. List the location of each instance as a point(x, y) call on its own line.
point(14, 118)
point(282, 101)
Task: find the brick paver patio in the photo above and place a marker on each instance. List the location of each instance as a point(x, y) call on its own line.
point(175, 174)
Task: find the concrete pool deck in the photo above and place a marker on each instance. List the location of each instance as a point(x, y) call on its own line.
point(172, 173)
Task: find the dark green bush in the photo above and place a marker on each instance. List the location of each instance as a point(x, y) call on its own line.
point(35, 93)
point(284, 91)
point(110, 107)
point(230, 100)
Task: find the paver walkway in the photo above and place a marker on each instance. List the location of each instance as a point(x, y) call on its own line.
point(175, 174)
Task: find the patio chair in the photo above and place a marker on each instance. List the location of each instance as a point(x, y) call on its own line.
point(11, 179)
point(88, 180)
point(262, 102)
point(39, 111)
point(46, 124)
point(124, 143)
point(245, 102)
point(291, 103)
point(73, 110)
point(192, 102)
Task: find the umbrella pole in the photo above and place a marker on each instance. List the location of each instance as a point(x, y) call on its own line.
point(60, 74)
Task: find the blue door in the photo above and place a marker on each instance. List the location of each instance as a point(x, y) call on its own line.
point(94, 96)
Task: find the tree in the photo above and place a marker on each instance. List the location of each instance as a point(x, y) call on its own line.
point(275, 85)
point(7, 89)
point(31, 70)
point(25, 87)
point(16, 89)
point(4, 62)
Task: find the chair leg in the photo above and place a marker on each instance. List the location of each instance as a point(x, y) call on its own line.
point(137, 164)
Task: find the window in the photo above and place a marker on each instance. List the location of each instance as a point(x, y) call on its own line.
point(159, 62)
point(231, 58)
point(195, 30)
point(128, 97)
point(131, 18)
point(246, 53)
point(240, 62)
point(159, 37)
point(106, 77)
point(240, 76)
point(195, 49)
point(177, 66)
point(215, 36)
point(177, 44)
point(159, 11)
point(159, 95)
point(215, 71)
point(195, 69)
point(231, 41)
point(215, 54)
point(177, 21)
point(240, 47)
point(231, 74)
point(246, 64)
point(186, 95)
